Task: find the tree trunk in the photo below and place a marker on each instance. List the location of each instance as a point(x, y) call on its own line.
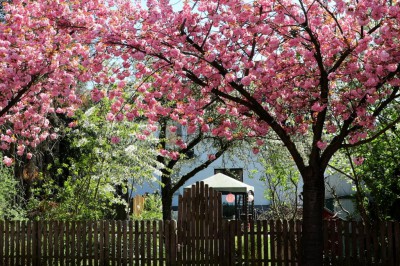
point(166, 197)
point(120, 209)
point(313, 205)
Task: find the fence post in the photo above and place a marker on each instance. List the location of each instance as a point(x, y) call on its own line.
point(36, 242)
point(174, 243)
point(170, 242)
point(230, 236)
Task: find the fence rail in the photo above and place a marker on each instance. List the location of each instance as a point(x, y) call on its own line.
point(156, 243)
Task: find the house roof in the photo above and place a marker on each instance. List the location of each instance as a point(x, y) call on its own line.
point(224, 183)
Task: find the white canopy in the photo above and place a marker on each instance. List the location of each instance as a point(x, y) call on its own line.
point(224, 183)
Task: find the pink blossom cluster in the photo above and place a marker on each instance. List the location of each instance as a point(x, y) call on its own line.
point(298, 63)
point(44, 51)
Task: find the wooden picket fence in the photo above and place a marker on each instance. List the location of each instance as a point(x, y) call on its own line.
point(156, 243)
point(85, 243)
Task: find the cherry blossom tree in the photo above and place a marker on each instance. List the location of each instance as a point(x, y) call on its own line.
point(318, 70)
point(44, 51)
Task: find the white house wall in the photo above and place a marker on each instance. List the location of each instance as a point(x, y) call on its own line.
point(247, 160)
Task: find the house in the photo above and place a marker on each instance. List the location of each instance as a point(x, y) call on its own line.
point(239, 163)
point(242, 164)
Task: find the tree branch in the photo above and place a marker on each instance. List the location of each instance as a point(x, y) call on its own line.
point(197, 169)
point(19, 95)
point(379, 133)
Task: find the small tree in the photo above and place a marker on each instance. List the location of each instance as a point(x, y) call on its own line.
point(282, 179)
point(103, 161)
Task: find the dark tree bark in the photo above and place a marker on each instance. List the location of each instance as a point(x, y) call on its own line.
point(166, 197)
point(313, 205)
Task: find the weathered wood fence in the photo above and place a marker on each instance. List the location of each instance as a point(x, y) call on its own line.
point(156, 243)
point(86, 243)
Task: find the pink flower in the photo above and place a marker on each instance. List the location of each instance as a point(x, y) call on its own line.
point(174, 155)
point(384, 56)
point(110, 117)
point(205, 128)
point(121, 84)
point(331, 128)
point(115, 139)
point(29, 156)
point(317, 107)
point(72, 124)
point(358, 160)
point(191, 129)
point(173, 129)
point(141, 136)
point(7, 161)
point(256, 150)
point(321, 145)
point(211, 157)
point(391, 67)
point(246, 81)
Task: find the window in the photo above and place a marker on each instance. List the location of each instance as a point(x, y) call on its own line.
point(236, 173)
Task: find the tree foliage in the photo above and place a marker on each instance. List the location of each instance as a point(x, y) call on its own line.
point(380, 174)
point(45, 54)
point(10, 207)
point(102, 158)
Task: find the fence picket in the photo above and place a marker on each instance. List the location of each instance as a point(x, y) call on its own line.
point(252, 242)
point(96, 246)
point(361, 240)
point(390, 254)
point(23, 242)
point(347, 243)
point(124, 243)
point(161, 240)
point(382, 242)
point(259, 245)
point(375, 236)
point(272, 241)
point(137, 242)
point(292, 239)
point(298, 237)
point(396, 249)
point(354, 243)
point(154, 242)
point(340, 242)
point(142, 243)
point(131, 245)
point(148, 242)
point(11, 249)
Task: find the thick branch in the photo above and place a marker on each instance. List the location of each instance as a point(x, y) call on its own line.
point(197, 169)
point(19, 95)
point(190, 146)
